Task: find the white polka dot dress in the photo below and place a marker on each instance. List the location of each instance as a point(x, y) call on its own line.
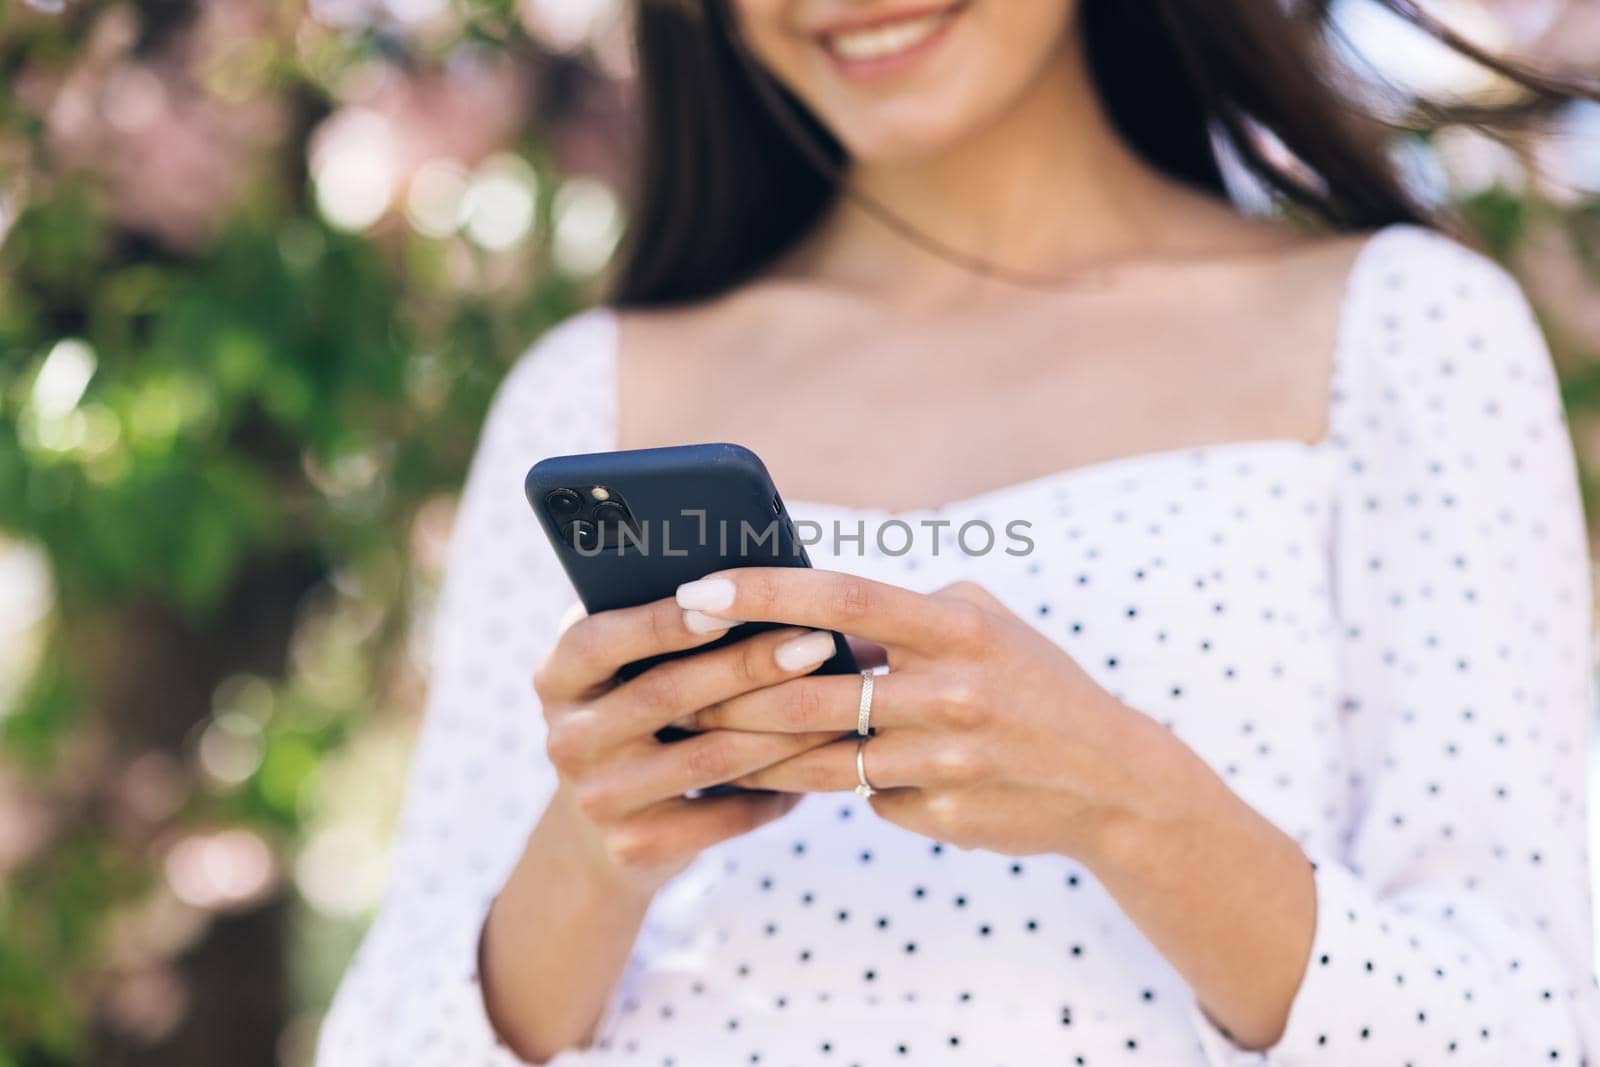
point(1379, 640)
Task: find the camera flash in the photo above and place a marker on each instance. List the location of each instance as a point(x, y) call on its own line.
point(600, 493)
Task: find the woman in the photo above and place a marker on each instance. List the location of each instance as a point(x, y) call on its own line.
point(1270, 750)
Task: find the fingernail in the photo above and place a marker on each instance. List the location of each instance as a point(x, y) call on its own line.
point(698, 622)
point(571, 616)
point(807, 650)
point(684, 722)
point(707, 594)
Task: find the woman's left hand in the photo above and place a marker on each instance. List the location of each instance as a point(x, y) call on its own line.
point(986, 734)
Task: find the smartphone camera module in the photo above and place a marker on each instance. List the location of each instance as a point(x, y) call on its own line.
point(616, 522)
point(583, 536)
point(563, 503)
point(592, 519)
point(611, 514)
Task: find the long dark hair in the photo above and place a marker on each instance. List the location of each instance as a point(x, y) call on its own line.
point(733, 170)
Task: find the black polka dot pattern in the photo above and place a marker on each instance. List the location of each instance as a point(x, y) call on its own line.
point(1379, 640)
point(1453, 920)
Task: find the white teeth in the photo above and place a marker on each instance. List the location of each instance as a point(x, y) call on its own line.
point(882, 41)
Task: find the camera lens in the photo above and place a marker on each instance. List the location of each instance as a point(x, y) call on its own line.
point(610, 513)
point(583, 535)
point(563, 503)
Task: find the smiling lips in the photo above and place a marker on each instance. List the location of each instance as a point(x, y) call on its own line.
point(883, 42)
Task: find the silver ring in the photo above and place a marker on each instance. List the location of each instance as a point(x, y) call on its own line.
point(863, 788)
point(864, 715)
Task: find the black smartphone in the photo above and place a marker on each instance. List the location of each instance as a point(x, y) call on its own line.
point(630, 527)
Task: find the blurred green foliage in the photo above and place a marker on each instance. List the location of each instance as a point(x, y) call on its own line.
point(256, 414)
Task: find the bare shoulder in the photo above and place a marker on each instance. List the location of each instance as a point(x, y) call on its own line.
point(675, 362)
point(1280, 276)
point(661, 345)
point(679, 330)
point(1286, 292)
point(661, 329)
point(1318, 286)
point(1294, 283)
point(750, 320)
point(657, 350)
point(1313, 274)
point(1274, 248)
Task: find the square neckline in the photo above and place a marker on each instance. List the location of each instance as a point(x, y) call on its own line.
point(1295, 447)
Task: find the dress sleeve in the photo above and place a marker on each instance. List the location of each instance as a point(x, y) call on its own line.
point(1453, 916)
point(479, 778)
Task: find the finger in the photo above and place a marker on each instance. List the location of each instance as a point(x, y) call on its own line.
point(669, 691)
point(593, 648)
point(663, 834)
point(825, 600)
point(893, 761)
point(816, 704)
point(658, 772)
point(971, 593)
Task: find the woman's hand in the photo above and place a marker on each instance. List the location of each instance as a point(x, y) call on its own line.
point(990, 736)
point(987, 734)
point(619, 824)
point(625, 788)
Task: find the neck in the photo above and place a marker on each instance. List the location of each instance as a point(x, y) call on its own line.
point(1046, 188)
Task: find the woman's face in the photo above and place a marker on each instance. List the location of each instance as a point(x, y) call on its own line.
point(897, 79)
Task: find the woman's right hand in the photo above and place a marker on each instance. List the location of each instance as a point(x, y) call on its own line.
point(624, 788)
point(619, 824)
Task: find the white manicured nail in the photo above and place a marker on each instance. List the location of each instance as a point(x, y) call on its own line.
point(807, 650)
point(571, 616)
point(698, 622)
point(708, 594)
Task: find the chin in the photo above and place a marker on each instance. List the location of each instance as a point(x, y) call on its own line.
point(904, 135)
point(918, 121)
point(895, 80)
